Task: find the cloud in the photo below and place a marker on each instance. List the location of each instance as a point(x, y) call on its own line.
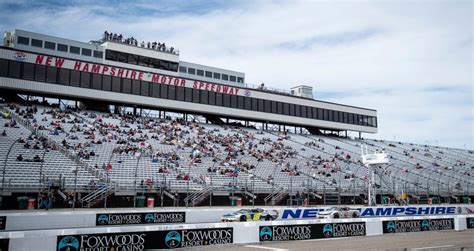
point(412, 61)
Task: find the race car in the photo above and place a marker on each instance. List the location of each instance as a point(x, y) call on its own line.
point(339, 212)
point(255, 214)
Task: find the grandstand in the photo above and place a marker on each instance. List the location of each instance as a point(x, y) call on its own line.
point(69, 129)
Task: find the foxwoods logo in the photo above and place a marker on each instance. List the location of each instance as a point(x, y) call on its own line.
point(68, 243)
point(327, 230)
point(149, 218)
point(173, 239)
point(103, 219)
point(266, 234)
point(425, 225)
point(165, 217)
point(344, 229)
point(391, 227)
point(202, 237)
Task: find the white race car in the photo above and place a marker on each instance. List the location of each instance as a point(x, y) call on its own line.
point(339, 212)
point(255, 214)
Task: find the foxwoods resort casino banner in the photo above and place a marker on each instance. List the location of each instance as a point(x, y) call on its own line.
point(311, 231)
point(140, 218)
point(153, 240)
point(404, 226)
point(469, 222)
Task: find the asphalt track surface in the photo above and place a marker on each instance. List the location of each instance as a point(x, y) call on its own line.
point(442, 240)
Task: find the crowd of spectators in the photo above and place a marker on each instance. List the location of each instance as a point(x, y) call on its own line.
point(114, 37)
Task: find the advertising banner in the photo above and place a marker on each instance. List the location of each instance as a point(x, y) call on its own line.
point(311, 231)
point(405, 226)
point(167, 239)
point(140, 218)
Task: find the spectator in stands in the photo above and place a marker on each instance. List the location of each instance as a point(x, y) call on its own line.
point(19, 157)
point(51, 198)
point(4, 133)
point(37, 159)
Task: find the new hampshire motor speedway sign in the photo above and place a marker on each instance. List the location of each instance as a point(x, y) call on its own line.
point(404, 226)
point(311, 231)
point(153, 240)
point(311, 213)
point(140, 218)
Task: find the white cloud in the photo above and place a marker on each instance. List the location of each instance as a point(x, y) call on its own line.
point(352, 47)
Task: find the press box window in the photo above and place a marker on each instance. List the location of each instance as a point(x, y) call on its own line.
point(240, 80)
point(232, 78)
point(74, 50)
point(62, 47)
point(200, 73)
point(98, 54)
point(37, 43)
point(217, 75)
point(23, 40)
point(182, 69)
point(191, 71)
point(86, 52)
point(208, 74)
point(225, 77)
point(50, 45)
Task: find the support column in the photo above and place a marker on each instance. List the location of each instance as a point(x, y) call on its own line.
point(360, 135)
point(134, 111)
point(346, 133)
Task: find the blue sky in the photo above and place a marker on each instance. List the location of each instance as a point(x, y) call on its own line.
point(412, 61)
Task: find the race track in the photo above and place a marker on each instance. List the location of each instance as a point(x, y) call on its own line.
point(444, 240)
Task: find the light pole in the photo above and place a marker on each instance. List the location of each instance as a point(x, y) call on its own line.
point(135, 182)
point(75, 185)
point(41, 174)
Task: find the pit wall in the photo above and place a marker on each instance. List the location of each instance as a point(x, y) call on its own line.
point(54, 219)
point(184, 235)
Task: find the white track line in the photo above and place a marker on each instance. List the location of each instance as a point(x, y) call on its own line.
point(445, 246)
point(263, 247)
point(340, 238)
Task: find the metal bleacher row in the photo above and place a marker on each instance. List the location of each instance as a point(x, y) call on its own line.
point(171, 154)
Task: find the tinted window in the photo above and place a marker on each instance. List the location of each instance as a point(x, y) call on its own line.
point(240, 102)
point(196, 98)
point(280, 107)
point(14, 69)
point(126, 85)
point(232, 78)
point(75, 78)
point(3, 67)
point(208, 74)
point(200, 73)
point(217, 75)
point(155, 90)
point(226, 100)
point(247, 103)
point(188, 94)
point(225, 77)
point(49, 45)
point(292, 110)
point(136, 87)
point(268, 106)
point(204, 97)
point(23, 40)
point(64, 76)
point(330, 115)
point(98, 54)
point(212, 98)
point(219, 99)
point(191, 71)
point(240, 80)
point(132, 59)
point(274, 107)
point(254, 102)
point(115, 84)
point(106, 83)
point(260, 105)
point(164, 91)
point(28, 71)
point(180, 93)
point(233, 101)
point(62, 47)
point(40, 73)
point(74, 49)
point(97, 81)
point(36, 43)
point(297, 110)
point(85, 79)
point(171, 92)
point(286, 109)
point(51, 74)
point(111, 55)
point(182, 69)
point(145, 86)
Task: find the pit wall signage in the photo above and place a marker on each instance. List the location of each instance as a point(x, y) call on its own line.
point(153, 240)
point(470, 222)
point(405, 226)
point(311, 231)
point(140, 218)
point(312, 213)
point(116, 71)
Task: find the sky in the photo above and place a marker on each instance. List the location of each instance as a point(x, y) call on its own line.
point(412, 61)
